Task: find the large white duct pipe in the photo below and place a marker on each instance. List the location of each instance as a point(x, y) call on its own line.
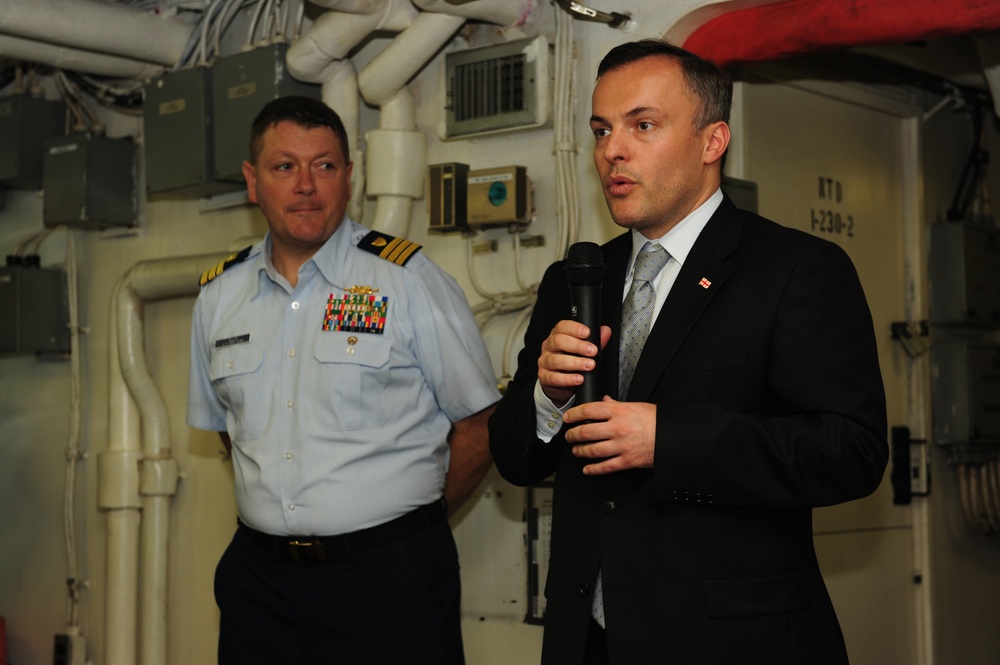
point(86, 62)
point(140, 471)
point(331, 37)
point(397, 151)
point(86, 24)
point(503, 12)
point(340, 92)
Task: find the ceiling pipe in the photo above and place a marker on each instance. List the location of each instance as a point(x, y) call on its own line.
point(85, 62)
point(87, 24)
point(397, 150)
point(509, 13)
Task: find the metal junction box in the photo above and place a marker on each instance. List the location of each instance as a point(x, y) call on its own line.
point(499, 196)
point(35, 310)
point(178, 137)
point(446, 204)
point(964, 274)
point(966, 389)
point(26, 124)
point(241, 85)
point(89, 182)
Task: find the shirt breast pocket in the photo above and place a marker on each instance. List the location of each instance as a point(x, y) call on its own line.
point(236, 374)
point(353, 376)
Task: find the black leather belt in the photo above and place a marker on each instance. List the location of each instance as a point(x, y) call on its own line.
point(317, 549)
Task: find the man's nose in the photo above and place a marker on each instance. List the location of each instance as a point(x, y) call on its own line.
point(304, 183)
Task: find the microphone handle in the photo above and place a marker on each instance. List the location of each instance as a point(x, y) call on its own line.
point(586, 309)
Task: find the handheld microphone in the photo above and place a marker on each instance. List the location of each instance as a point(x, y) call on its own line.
point(585, 273)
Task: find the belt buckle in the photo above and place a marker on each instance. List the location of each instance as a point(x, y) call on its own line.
point(306, 551)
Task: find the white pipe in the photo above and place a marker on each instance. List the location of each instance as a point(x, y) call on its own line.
point(75, 60)
point(331, 37)
point(118, 494)
point(501, 12)
point(125, 480)
point(340, 92)
point(87, 24)
point(389, 71)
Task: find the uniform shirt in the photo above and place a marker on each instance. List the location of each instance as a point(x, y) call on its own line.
point(678, 242)
point(335, 430)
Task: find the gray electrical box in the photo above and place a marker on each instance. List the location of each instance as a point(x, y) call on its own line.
point(242, 84)
point(36, 310)
point(178, 137)
point(89, 182)
point(966, 389)
point(26, 124)
point(964, 274)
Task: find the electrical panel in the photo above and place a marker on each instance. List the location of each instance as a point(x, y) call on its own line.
point(966, 387)
point(178, 108)
point(499, 196)
point(447, 200)
point(26, 124)
point(497, 88)
point(36, 310)
point(242, 84)
point(89, 182)
point(964, 274)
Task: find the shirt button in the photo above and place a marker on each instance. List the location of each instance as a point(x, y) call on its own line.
point(229, 364)
point(295, 305)
point(291, 506)
point(608, 507)
point(288, 404)
point(551, 425)
point(288, 455)
point(350, 350)
point(584, 589)
point(291, 354)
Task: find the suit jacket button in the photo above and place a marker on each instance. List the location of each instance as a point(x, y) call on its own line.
point(608, 507)
point(584, 589)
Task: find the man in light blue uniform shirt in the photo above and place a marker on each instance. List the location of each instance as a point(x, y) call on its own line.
point(347, 377)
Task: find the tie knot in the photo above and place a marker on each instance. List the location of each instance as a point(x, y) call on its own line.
point(649, 262)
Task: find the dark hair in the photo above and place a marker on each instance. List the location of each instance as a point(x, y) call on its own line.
point(711, 84)
point(303, 111)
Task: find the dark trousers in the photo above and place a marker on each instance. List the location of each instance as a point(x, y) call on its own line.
point(394, 604)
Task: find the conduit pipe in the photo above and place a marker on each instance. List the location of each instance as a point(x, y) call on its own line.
point(397, 151)
point(139, 472)
point(340, 92)
point(86, 24)
point(86, 62)
point(503, 12)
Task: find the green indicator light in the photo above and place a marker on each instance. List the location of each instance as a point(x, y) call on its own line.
point(498, 193)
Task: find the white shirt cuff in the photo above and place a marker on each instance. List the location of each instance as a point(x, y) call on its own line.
point(548, 417)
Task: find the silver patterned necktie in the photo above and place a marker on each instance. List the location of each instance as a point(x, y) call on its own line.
point(637, 318)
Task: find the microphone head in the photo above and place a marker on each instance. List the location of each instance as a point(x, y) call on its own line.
point(584, 264)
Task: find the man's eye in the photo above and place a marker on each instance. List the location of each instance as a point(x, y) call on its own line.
point(601, 132)
point(644, 126)
point(282, 167)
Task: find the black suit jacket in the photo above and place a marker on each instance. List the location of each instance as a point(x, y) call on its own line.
point(764, 370)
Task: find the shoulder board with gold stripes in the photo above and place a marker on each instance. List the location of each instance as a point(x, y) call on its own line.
point(396, 250)
point(231, 260)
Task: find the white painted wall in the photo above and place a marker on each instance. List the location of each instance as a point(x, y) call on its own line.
point(34, 395)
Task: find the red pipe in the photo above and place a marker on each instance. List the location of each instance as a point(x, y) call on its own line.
point(798, 27)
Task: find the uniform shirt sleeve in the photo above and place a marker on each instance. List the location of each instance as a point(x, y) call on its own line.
point(204, 410)
point(449, 345)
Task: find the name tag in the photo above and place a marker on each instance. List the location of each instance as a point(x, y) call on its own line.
point(229, 341)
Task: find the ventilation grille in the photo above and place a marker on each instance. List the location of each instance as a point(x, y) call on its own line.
point(497, 88)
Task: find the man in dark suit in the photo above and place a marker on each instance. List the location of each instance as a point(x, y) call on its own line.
point(682, 525)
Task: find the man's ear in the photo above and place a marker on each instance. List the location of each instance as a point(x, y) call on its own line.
point(718, 141)
point(250, 175)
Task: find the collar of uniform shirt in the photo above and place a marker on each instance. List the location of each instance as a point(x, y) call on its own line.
point(329, 259)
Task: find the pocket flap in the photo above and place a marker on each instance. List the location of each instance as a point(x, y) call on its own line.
point(353, 348)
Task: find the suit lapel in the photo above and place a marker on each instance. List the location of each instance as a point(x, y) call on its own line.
point(702, 276)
